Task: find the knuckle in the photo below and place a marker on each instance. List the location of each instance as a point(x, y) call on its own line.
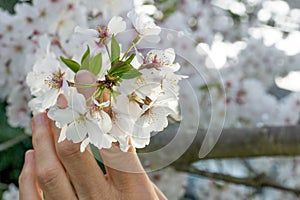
point(23, 178)
point(67, 149)
point(48, 176)
point(39, 137)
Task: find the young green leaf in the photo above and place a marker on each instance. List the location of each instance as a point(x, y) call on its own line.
point(86, 54)
point(73, 65)
point(85, 60)
point(130, 58)
point(122, 69)
point(96, 64)
point(119, 68)
point(115, 50)
point(133, 73)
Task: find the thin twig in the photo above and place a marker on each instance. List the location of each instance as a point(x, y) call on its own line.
point(3, 186)
point(12, 142)
point(257, 181)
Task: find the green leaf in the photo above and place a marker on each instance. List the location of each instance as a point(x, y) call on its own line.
point(133, 73)
point(86, 54)
point(85, 60)
point(204, 87)
point(73, 65)
point(98, 157)
point(120, 68)
point(115, 50)
point(131, 57)
point(96, 64)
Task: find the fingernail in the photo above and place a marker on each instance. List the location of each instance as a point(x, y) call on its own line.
point(62, 101)
point(85, 77)
point(29, 156)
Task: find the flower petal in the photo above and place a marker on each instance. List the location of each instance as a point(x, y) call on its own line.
point(62, 135)
point(76, 131)
point(116, 25)
point(78, 103)
point(86, 32)
point(84, 144)
point(62, 116)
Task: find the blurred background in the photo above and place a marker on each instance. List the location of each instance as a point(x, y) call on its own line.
point(243, 62)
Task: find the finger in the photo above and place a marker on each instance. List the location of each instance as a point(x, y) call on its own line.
point(84, 77)
point(115, 160)
point(83, 170)
point(159, 193)
point(50, 173)
point(28, 185)
point(125, 170)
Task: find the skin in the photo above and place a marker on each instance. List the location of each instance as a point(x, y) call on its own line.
point(60, 171)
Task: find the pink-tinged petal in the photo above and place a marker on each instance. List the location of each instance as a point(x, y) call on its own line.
point(116, 25)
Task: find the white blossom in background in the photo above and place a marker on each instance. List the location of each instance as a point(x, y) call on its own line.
point(108, 8)
point(173, 184)
point(12, 193)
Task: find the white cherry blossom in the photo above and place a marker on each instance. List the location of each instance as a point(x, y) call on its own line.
point(92, 37)
point(145, 26)
point(82, 123)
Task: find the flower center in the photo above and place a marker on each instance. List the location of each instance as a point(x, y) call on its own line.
point(103, 33)
point(55, 80)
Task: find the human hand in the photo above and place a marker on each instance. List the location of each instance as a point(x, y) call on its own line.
point(61, 171)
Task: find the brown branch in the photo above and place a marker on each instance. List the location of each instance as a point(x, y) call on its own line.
point(3, 186)
point(257, 181)
point(7, 144)
point(233, 143)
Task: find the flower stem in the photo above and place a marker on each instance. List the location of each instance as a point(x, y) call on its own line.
point(134, 43)
point(106, 47)
point(72, 84)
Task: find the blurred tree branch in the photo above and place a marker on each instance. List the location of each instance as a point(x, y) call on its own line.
point(3, 186)
point(232, 143)
point(12, 142)
point(260, 180)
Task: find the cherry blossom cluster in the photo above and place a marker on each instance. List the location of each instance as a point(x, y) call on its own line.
point(131, 95)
